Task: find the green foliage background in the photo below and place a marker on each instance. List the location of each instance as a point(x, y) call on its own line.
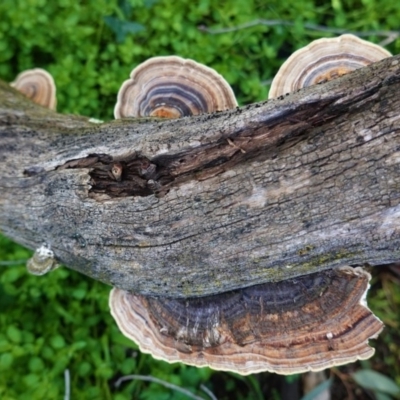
point(61, 321)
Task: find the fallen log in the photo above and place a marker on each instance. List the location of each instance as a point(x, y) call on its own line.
point(304, 183)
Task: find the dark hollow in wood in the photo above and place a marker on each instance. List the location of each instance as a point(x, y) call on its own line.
point(132, 175)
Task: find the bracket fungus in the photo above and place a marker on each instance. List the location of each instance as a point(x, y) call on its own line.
point(172, 87)
point(322, 60)
point(42, 261)
point(38, 85)
point(304, 324)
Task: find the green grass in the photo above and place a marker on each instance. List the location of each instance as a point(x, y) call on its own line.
point(61, 321)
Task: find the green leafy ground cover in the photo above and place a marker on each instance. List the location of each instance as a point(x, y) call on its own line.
point(60, 322)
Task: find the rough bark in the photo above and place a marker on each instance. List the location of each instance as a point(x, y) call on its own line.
point(212, 203)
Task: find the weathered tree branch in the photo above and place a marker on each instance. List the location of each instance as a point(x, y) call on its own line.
point(211, 203)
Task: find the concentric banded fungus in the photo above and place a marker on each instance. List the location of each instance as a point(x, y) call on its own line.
point(323, 60)
point(172, 87)
point(38, 85)
point(308, 323)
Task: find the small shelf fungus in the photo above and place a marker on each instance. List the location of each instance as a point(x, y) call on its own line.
point(38, 85)
point(322, 60)
point(305, 324)
point(172, 87)
point(42, 261)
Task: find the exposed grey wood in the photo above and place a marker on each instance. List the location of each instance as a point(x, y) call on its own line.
point(262, 193)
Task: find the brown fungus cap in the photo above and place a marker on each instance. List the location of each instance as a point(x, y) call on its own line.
point(304, 324)
point(323, 60)
point(38, 85)
point(172, 87)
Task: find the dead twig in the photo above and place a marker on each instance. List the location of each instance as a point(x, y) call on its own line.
point(208, 391)
point(390, 36)
point(160, 382)
point(12, 262)
point(345, 380)
point(67, 380)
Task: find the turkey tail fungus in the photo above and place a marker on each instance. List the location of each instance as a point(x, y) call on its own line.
point(322, 60)
point(38, 85)
point(172, 87)
point(304, 324)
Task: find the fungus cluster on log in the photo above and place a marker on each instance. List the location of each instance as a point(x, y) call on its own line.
point(308, 323)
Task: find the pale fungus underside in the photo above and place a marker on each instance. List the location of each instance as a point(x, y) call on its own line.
point(172, 87)
point(322, 60)
point(305, 324)
point(42, 261)
point(38, 85)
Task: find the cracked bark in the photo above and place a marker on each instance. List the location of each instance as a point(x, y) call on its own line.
point(206, 204)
